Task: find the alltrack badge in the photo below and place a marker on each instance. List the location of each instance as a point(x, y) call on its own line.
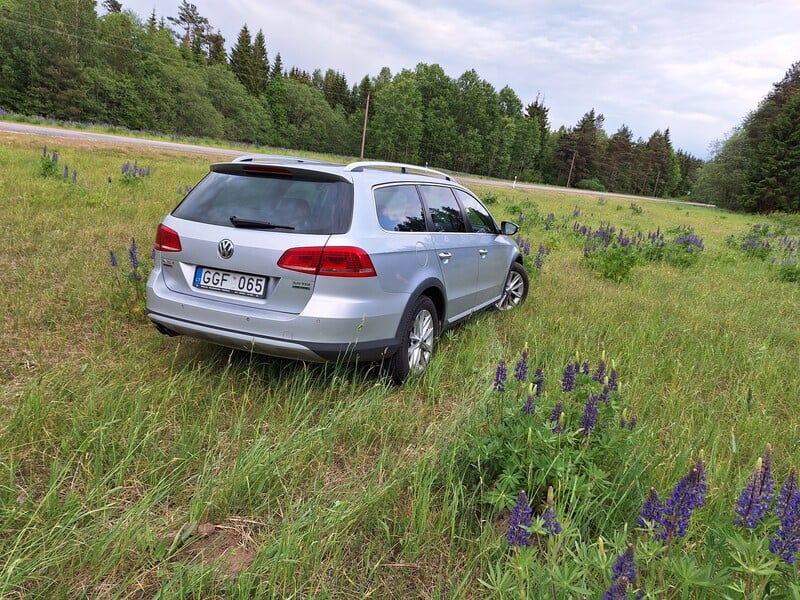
point(225, 249)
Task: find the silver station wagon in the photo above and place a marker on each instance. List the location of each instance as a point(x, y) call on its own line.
point(316, 261)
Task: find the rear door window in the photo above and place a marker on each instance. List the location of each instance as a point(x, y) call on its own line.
point(399, 208)
point(445, 213)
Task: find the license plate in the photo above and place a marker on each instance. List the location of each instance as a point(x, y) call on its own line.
point(230, 282)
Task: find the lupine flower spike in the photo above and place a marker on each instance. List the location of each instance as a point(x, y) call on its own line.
point(551, 524)
point(518, 534)
point(625, 566)
point(689, 493)
point(521, 368)
point(788, 491)
point(500, 377)
point(756, 497)
point(618, 590)
point(786, 541)
point(557, 418)
point(538, 380)
point(530, 403)
point(568, 380)
point(589, 419)
point(600, 373)
point(652, 511)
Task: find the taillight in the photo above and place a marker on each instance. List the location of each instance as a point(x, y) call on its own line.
point(335, 261)
point(167, 240)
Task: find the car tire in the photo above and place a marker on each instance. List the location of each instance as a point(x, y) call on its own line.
point(419, 329)
point(515, 289)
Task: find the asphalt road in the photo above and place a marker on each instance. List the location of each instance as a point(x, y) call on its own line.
point(58, 132)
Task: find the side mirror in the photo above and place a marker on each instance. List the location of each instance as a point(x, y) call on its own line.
point(508, 228)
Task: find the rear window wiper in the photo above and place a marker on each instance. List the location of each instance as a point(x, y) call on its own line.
point(255, 224)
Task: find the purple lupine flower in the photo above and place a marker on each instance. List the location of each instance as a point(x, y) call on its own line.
point(788, 491)
point(74, 176)
point(589, 419)
point(613, 380)
point(618, 590)
point(66, 172)
point(551, 524)
point(521, 368)
point(538, 380)
point(133, 253)
point(113, 258)
point(652, 511)
point(521, 514)
point(530, 405)
point(625, 566)
point(55, 156)
point(600, 373)
point(756, 497)
point(538, 263)
point(555, 418)
point(126, 166)
point(135, 167)
point(526, 247)
point(585, 367)
point(500, 376)
point(689, 493)
point(604, 394)
point(786, 541)
point(568, 380)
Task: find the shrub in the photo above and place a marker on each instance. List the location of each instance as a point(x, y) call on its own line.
point(594, 185)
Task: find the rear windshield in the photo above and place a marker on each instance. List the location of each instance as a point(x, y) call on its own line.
point(282, 204)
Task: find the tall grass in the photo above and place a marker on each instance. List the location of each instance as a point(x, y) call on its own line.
point(136, 466)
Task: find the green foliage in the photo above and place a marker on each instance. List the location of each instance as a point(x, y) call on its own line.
point(521, 446)
point(593, 184)
point(788, 269)
point(128, 285)
point(614, 262)
point(489, 199)
point(777, 244)
point(48, 166)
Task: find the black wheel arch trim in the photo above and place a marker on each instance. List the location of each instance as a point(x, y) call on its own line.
point(439, 300)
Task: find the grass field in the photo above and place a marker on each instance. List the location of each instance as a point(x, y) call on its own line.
point(137, 466)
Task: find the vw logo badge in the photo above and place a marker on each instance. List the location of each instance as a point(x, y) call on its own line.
point(225, 248)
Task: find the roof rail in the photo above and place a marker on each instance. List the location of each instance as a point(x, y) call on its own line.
point(404, 168)
point(279, 158)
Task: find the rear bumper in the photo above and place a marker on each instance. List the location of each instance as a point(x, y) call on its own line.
point(310, 351)
point(327, 329)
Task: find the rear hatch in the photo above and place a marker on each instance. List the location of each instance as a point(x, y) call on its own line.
point(235, 226)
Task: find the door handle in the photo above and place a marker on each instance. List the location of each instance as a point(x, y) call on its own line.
point(445, 256)
point(483, 252)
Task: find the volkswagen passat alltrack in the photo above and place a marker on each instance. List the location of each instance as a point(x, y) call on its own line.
point(316, 261)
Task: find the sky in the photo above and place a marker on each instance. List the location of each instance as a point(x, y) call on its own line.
point(695, 67)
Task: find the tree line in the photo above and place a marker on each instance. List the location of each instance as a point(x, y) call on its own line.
point(757, 167)
point(173, 75)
